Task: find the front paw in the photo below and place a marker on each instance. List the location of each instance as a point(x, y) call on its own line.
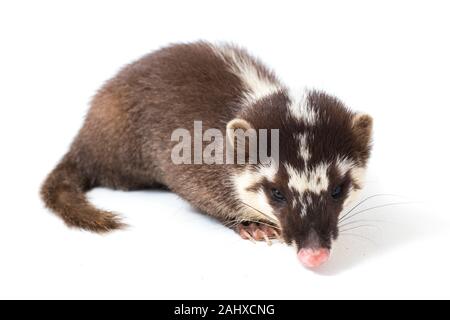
point(255, 231)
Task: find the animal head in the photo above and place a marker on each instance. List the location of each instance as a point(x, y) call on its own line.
point(323, 152)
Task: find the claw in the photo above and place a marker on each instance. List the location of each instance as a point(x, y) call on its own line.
point(278, 236)
point(247, 236)
point(267, 239)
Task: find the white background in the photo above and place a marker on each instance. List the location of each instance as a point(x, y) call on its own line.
point(388, 58)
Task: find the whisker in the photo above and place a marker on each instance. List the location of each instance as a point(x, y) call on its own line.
point(358, 221)
point(360, 226)
point(266, 215)
point(368, 198)
point(231, 224)
point(377, 207)
point(359, 236)
point(234, 223)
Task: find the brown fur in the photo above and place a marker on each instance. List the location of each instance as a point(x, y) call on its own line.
point(125, 140)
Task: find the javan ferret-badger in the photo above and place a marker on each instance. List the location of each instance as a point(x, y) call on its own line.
point(126, 143)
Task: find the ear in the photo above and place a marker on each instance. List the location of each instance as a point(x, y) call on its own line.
point(236, 124)
point(362, 131)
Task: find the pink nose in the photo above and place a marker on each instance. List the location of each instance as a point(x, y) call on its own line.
point(313, 258)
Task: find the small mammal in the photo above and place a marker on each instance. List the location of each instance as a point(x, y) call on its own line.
point(125, 143)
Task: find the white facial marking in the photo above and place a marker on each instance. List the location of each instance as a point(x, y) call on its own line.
point(244, 67)
point(303, 151)
point(263, 203)
point(344, 165)
point(301, 110)
point(303, 211)
point(256, 199)
point(268, 171)
point(314, 180)
point(309, 200)
point(357, 174)
point(305, 201)
point(294, 203)
point(352, 196)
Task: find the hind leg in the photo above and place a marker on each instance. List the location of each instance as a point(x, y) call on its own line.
point(109, 149)
point(126, 178)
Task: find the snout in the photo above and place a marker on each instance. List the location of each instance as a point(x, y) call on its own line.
point(312, 258)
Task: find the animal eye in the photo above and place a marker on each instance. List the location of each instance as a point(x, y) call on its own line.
point(337, 192)
point(277, 195)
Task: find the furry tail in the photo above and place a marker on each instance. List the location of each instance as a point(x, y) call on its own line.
point(64, 193)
